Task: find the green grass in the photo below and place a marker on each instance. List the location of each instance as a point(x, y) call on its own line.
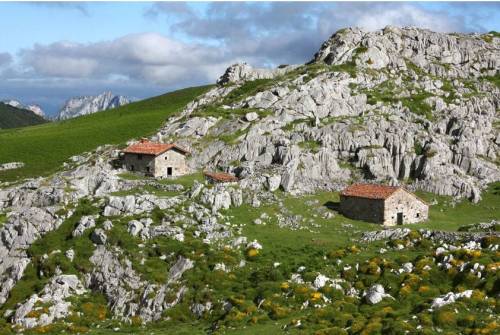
point(312, 146)
point(445, 217)
point(44, 148)
point(417, 105)
point(3, 218)
point(185, 180)
point(249, 88)
point(489, 37)
point(494, 80)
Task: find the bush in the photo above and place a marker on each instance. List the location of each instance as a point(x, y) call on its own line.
point(331, 331)
point(445, 318)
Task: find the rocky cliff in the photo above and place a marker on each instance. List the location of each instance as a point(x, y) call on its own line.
point(400, 105)
point(79, 106)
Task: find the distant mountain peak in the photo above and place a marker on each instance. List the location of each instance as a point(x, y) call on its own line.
point(34, 108)
point(84, 105)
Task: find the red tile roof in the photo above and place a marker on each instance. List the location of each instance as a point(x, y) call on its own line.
point(147, 147)
point(369, 191)
point(221, 176)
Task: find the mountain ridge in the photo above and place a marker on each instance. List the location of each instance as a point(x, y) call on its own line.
point(34, 108)
point(84, 105)
point(14, 117)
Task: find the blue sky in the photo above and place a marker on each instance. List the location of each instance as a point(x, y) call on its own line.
point(53, 51)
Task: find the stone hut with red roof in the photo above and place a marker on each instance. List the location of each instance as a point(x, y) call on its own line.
point(160, 160)
point(389, 205)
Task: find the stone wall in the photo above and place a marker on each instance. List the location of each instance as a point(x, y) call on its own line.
point(139, 163)
point(413, 209)
point(174, 159)
point(371, 210)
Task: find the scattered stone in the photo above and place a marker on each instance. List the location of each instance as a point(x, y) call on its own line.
point(134, 227)
point(70, 254)
point(252, 116)
point(449, 298)
point(86, 222)
point(376, 294)
point(99, 236)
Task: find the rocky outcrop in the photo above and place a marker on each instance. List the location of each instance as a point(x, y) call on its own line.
point(242, 72)
point(340, 117)
point(128, 295)
point(451, 55)
point(50, 304)
point(131, 204)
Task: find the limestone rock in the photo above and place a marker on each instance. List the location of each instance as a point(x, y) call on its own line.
point(98, 236)
point(54, 295)
point(86, 222)
point(376, 294)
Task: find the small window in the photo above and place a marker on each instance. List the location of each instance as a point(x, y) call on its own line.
point(139, 156)
point(418, 215)
point(132, 168)
point(166, 157)
point(148, 169)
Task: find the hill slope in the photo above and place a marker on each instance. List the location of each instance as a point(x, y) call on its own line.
point(45, 147)
point(12, 117)
point(400, 106)
point(98, 250)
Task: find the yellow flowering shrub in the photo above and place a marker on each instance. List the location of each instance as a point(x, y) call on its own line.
point(252, 252)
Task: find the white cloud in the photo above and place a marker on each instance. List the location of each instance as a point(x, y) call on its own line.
point(5, 58)
point(152, 57)
point(375, 16)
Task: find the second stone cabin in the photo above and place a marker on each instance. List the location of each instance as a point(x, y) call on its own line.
point(388, 205)
point(160, 160)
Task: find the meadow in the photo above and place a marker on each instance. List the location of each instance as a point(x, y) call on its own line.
point(44, 148)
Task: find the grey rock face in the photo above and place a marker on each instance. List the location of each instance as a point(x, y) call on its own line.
point(181, 266)
point(54, 295)
point(464, 54)
point(323, 129)
point(16, 235)
point(131, 204)
point(244, 72)
point(126, 293)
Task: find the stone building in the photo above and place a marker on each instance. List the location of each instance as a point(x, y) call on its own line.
point(389, 205)
point(159, 160)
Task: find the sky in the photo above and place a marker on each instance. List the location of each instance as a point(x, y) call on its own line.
point(50, 52)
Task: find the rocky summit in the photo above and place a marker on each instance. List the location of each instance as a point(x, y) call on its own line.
point(95, 248)
point(400, 105)
point(85, 105)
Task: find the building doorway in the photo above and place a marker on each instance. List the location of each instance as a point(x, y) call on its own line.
point(169, 171)
point(400, 218)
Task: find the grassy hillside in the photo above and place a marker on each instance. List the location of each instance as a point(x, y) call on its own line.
point(43, 148)
point(12, 117)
